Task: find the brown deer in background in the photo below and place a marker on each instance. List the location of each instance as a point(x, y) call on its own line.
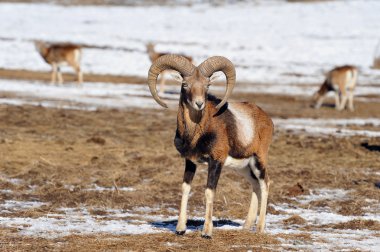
point(153, 56)
point(341, 80)
point(60, 54)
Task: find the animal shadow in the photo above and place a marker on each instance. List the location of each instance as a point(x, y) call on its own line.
point(371, 147)
point(193, 224)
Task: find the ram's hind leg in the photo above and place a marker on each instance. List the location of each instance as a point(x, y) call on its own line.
point(258, 167)
point(253, 207)
point(190, 169)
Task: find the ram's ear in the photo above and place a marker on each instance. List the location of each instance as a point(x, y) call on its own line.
point(177, 76)
point(214, 77)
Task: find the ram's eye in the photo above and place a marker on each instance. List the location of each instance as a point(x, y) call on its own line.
point(185, 85)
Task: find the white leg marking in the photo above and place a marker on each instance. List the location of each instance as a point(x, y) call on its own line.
point(207, 228)
point(318, 104)
point(337, 102)
point(351, 100)
point(264, 188)
point(252, 212)
point(60, 78)
point(182, 219)
point(53, 73)
point(343, 102)
point(80, 77)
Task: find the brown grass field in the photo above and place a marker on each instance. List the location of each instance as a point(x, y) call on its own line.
point(56, 155)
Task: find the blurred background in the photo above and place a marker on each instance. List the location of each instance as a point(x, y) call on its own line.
point(292, 43)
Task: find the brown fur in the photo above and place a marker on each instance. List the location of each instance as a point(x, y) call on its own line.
point(376, 63)
point(226, 142)
point(209, 130)
point(56, 54)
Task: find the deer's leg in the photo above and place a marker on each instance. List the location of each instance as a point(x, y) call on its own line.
point(79, 74)
point(78, 71)
point(259, 170)
point(214, 170)
point(319, 102)
point(60, 78)
point(337, 100)
point(351, 99)
point(190, 169)
point(344, 100)
point(253, 207)
point(53, 73)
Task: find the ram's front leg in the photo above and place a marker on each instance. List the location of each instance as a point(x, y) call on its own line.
point(214, 170)
point(190, 169)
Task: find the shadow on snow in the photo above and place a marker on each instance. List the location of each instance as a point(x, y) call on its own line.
point(193, 224)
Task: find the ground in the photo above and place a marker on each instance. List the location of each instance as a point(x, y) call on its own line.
point(93, 167)
point(96, 162)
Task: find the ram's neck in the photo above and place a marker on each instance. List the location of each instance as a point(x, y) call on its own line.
point(191, 123)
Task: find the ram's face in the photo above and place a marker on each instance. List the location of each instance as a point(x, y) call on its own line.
point(195, 80)
point(194, 90)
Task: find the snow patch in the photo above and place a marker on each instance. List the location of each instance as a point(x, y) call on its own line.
point(13, 206)
point(101, 189)
point(329, 126)
point(87, 96)
point(81, 221)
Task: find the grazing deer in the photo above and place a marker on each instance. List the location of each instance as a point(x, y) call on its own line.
point(153, 55)
point(341, 80)
point(60, 54)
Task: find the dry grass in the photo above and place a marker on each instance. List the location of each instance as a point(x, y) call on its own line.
point(63, 152)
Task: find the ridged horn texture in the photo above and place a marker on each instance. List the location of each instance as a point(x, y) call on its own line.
point(169, 61)
point(219, 63)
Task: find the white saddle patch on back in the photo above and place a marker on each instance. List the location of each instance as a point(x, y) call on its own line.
point(236, 163)
point(244, 124)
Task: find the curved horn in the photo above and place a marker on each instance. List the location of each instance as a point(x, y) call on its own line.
point(219, 63)
point(169, 61)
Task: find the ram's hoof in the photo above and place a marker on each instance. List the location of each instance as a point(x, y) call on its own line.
point(180, 232)
point(206, 236)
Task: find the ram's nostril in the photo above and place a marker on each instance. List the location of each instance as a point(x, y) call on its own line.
point(199, 104)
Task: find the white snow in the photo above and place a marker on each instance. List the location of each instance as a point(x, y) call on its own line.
point(14, 181)
point(6, 191)
point(336, 127)
point(88, 96)
point(14, 206)
point(101, 188)
point(91, 96)
point(323, 194)
point(80, 221)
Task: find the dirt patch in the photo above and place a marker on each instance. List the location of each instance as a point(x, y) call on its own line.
point(97, 140)
point(295, 220)
point(296, 190)
point(14, 74)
